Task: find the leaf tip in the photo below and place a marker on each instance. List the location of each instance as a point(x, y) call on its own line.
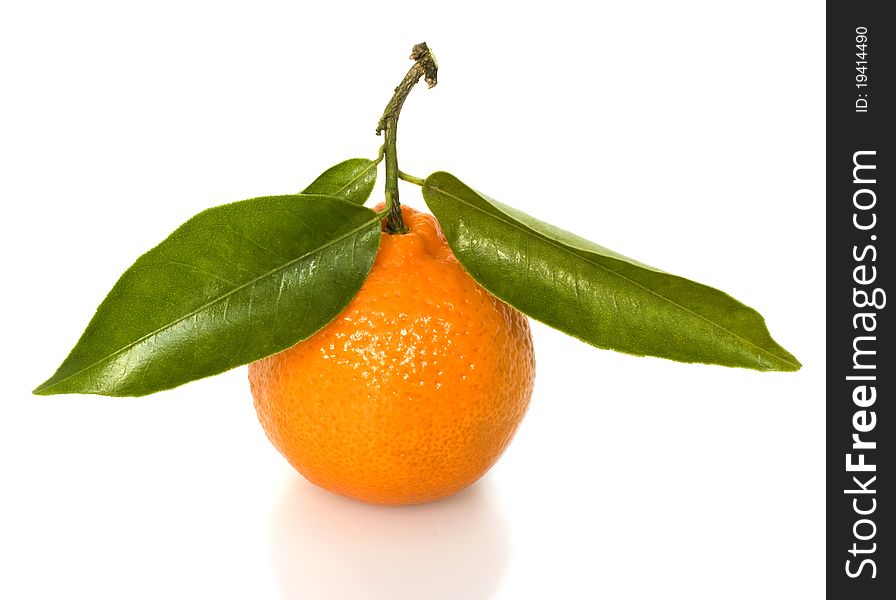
point(43, 389)
point(786, 362)
point(792, 365)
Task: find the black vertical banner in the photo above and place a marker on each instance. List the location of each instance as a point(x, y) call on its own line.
point(861, 370)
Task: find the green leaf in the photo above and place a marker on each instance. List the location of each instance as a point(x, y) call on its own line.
point(595, 294)
point(233, 284)
point(352, 180)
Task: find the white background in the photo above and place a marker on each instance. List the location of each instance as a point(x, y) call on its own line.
point(687, 135)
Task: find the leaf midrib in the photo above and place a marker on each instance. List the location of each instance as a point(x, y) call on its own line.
point(615, 273)
point(211, 303)
point(372, 165)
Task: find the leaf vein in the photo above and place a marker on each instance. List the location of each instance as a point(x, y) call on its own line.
point(248, 284)
point(579, 257)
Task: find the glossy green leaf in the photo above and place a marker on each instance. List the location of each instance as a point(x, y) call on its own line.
point(352, 180)
point(595, 294)
point(233, 284)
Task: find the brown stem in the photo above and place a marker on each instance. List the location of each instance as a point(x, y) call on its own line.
point(424, 66)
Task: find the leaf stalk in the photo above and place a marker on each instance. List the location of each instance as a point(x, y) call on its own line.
point(410, 178)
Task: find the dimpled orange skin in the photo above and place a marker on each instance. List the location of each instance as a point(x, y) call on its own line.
point(414, 391)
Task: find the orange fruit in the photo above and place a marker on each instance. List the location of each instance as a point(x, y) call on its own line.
point(411, 393)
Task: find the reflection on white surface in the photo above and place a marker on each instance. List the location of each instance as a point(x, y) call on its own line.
point(327, 546)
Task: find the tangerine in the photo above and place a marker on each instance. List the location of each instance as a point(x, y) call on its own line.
point(414, 391)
